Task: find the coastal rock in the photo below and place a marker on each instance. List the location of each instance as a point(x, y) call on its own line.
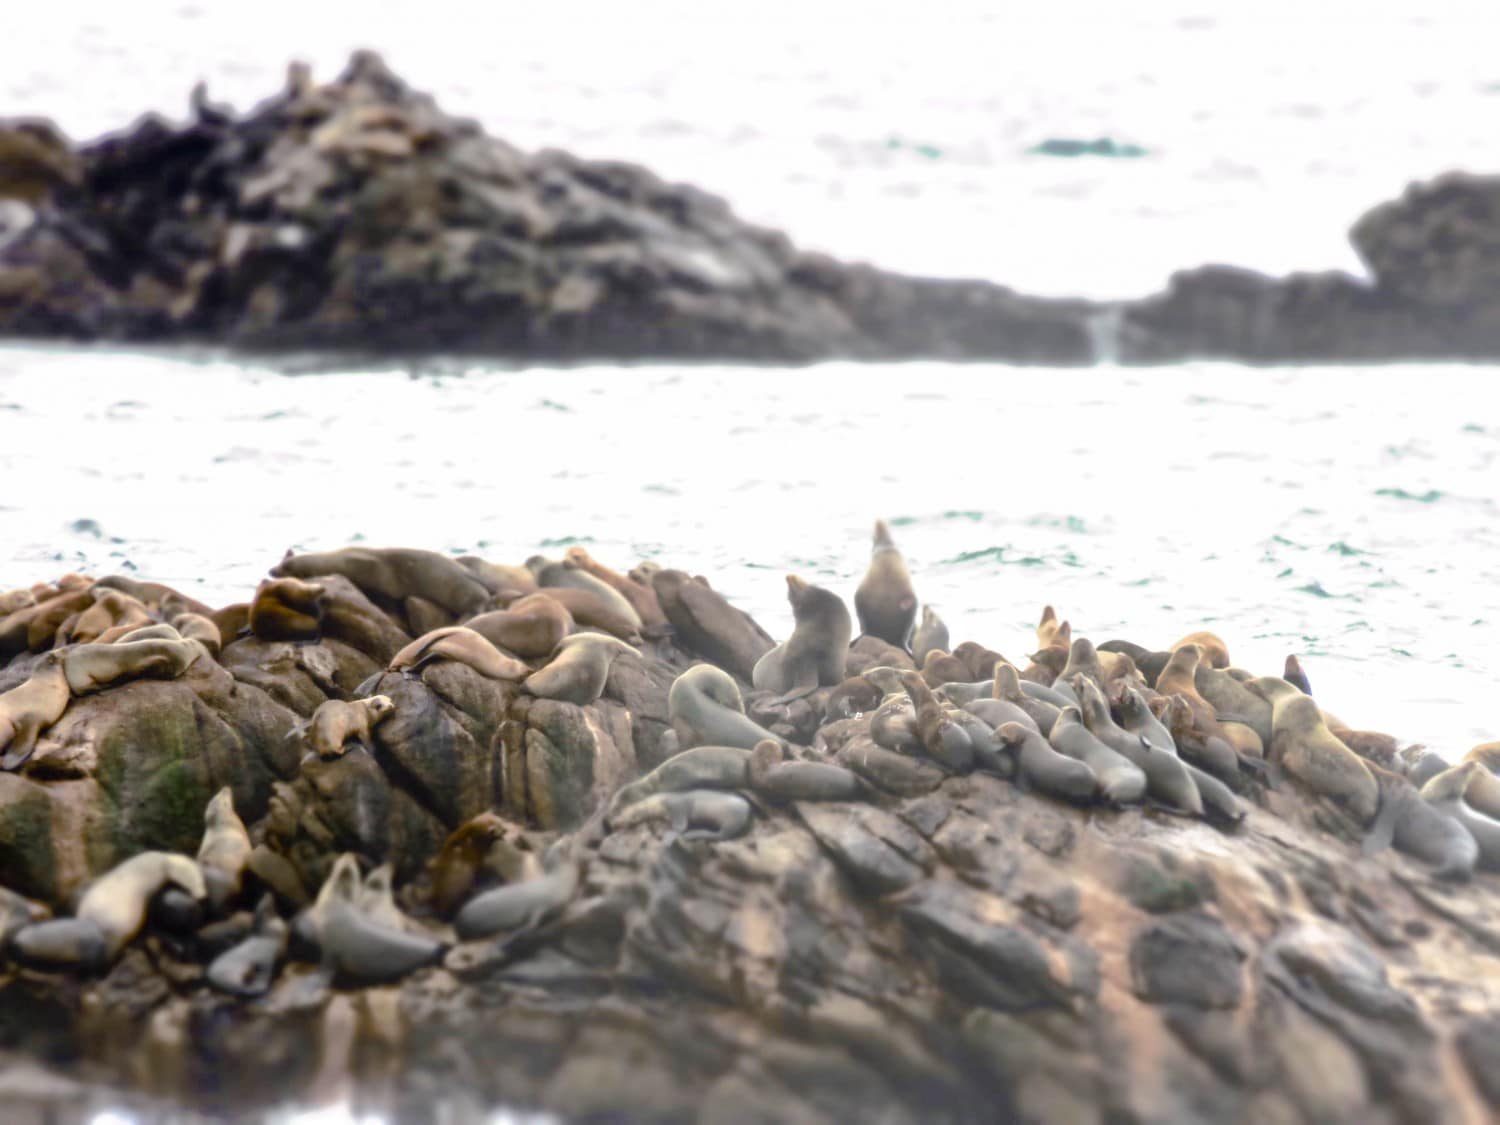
point(1438, 245)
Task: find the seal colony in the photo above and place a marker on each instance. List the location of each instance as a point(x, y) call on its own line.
point(472, 765)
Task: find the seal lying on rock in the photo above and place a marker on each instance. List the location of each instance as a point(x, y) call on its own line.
point(695, 814)
point(394, 573)
point(530, 627)
point(1043, 769)
point(286, 609)
point(463, 646)
point(336, 722)
point(578, 670)
point(249, 967)
point(31, 708)
point(1120, 780)
point(709, 625)
point(523, 906)
point(94, 667)
point(116, 902)
point(702, 767)
point(814, 655)
point(552, 575)
point(885, 601)
point(111, 610)
point(642, 597)
point(1445, 792)
point(1302, 744)
point(945, 741)
point(776, 779)
point(705, 708)
point(357, 946)
point(1167, 778)
point(1420, 829)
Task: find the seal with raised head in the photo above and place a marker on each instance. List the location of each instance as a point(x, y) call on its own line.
point(1445, 792)
point(394, 573)
point(1082, 661)
point(336, 722)
point(248, 968)
point(1228, 695)
point(359, 947)
point(940, 668)
point(1043, 769)
point(1167, 778)
point(1294, 675)
point(1303, 746)
point(1009, 688)
point(705, 708)
point(531, 627)
point(1046, 666)
point(467, 857)
point(225, 850)
point(1050, 632)
point(776, 779)
point(524, 906)
point(1484, 787)
point(30, 708)
point(1120, 779)
point(885, 601)
point(116, 901)
point(945, 741)
point(930, 634)
point(578, 670)
point(980, 661)
point(463, 646)
point(1206, 750)
point(702, 767)
point(1179, 677)
point(287, 609)
point(642, 598)
point(708, 625)
point(814, 655)
point(1215, 652)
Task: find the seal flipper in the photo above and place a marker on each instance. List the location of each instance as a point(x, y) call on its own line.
point(367, 686)
point(22, 746)
point(1383, 832)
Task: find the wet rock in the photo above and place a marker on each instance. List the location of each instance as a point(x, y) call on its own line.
point(1187, 959)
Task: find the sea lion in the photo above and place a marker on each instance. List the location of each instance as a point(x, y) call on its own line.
point(336, 722)
point(1371, 745)
point(1421, 765)
point(1119, 669)
point(34, 628)
point(465, 859)
point(930, 634)
point(1214, 651)
point(1295, 676)
point(1050, 632)
point(1219, 801)
point(552, 575)
point(588, 611)
point(30, 708)
point(960, 694)
point(356, 946)
point(885, 601)
point(233, 621)
point(894, 725)
point(13, 600)
point(249, 967)
point(1303, 746)
point(225, 850)
point(578, 670)
point(705, 707)
point(979, 660)
point(815, 654)
point(111, 610)
point(1120, 780)
point(855, 696)
point(1209, 751)
point(1446, 791)
point(1046, 665)
point(196, 627)
point(1420, 829)
point(1228, 695)
point(1043, 769)
point(1137, 717)
point(945, 741)
point(62, 943)
point(422, 616)
point(642, 598)
point(776, 779)
point(116, 901)
point(160, 631)
point(1167, 778)
point(708, 625)
point(1008, 688)
point(523, 906)
point(1033, 690)
point(462, 646)
point(394, 573)
point(939, 668)
point(697, 814)
point(702, 767)
point(160, 598)
point(276, 873)
point(1483, 793)
point(498, 577)
point(1082, 660)
point(531, 627)
point(997, 712)
point(287, 609)
point(94, 667)
point(1179, 677)
point(377, 899)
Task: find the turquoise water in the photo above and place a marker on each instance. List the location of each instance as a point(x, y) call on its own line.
point(1347, 515)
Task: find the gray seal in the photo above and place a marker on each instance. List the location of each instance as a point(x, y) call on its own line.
point(1120, 779)
point(702, 767)
point(776, 779)
point(705, 708)
point(1445, 793)
point(359, 948)
point(248, 968)
point(816, 653)
point(523, 906)
point(696, 814)
point(1045, 770)
point(578, 669)
point(1421, 830)
point(1167, 778)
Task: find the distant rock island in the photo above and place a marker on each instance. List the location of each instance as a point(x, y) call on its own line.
point(357, 216)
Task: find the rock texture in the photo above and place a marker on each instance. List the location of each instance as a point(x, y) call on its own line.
point(357, 216)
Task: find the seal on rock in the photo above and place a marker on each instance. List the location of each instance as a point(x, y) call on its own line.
point(705, 707)
point(523, 906)
point(465, 858)
point(62, 943)
point(945, 741)
point(930, 634)
point(1009, 688)
point(696, 814)
point(196, 627)
point(358, 946)
point(1052, 633)
point(1420, 829)
point(1214, 651)
point(531, 627)
point(463, 646)
point(708, 625)
point(776, 779)
point(814, 655)
point(1483, 792)
point(1302, 744)
point(1082, 660)
point(116, 901)
point(30, 708)
point(112, 609)
point(394, 573)
point(702, 767)
point(249, 967)
point(93, 667)
point(225, 850)
point(552, 575)
point(1294, 675)
point(1120, 780)
point(885, 601)
point(1167, 778)
point(287, 609)
point(336, 722)
point(642, 598)
point(1445, 792)
point(578, 669)
point(1043, 769)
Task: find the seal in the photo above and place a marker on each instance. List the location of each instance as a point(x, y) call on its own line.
point(1295, 676)
point(1043, 769)
point(894, 725)
point(1179, 677)
point(1082, 661)
point(939, 668)
point(531, 627)
point(30, 708)
point(1206, 750)
point(225, 850)
point(642, 598)
point(697, 814)
point(1050, 632)
point(162, 600)
point(13, 600)
point(702, 767)
point(930, 634)
point(945, 741)
point(336, 722)
point(233, 621)
point(116, 901)
point(62, 943)
point(1120, 780)
point(705, 708)
point(885, 602)
point(778, 780)
point(997, 712)
point(899, 774)
point(1214, 651)
point(111, 610)
point(196, 627)
point(1008, 687)
point(248, 968)
point(34, 629)
point(979, 660)
point(463, 646)
point(358, 947)
point(855, 696)
point(499, 578)
point(553, 575)
point(1046, 665)
point(1303, 746)
point(1420, 830)
point(815, 654)
point(1484, 787)
point(523, 906)
point(707, 624)
point(1167, 778)
point(588, 611)
point(377, 899)
point(287, 609)
point(394, 573)
point(1219, 802)
point(578, 670)
point(94, 667)
point(1446, 791)
point(1422, 765)
point(1228, 695)
point(465, 859)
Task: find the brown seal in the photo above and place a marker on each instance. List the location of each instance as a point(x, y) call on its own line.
point(224, 853)
point(394, 573)
point(1295, 676)
point(336, 722)
point(1214, 651)
point(939, 668)
point(1179, 678)
point(111, 610)
point(1484, 786)
point(945, 741)
point(1051, 632)
point(930, 634)
point(642, 598)
point(815, 654)
point(709, 626)
point(885, 601)
point(578, 670)
point(468, 861)
point(498, 578)
point(1083, 661)
point(32, 707)
point(980, 661)
point(287, 609)
point(233, 621)
point(1303, 746)
point(552, 575)
point(94, 667)
point(530, 627)
point(196, 627)
point(34, 628)
point(116, 902)
point(589, 611)
point(463, 646)
point(161, 599)
point(1046, 665)
point(777, 779)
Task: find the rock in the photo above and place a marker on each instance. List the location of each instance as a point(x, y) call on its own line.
point(1438, 245)
point(1187, 959)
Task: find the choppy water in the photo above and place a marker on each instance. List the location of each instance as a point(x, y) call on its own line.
point(1347, 515)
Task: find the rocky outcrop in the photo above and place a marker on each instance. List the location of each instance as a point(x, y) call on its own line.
point(357, 216)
